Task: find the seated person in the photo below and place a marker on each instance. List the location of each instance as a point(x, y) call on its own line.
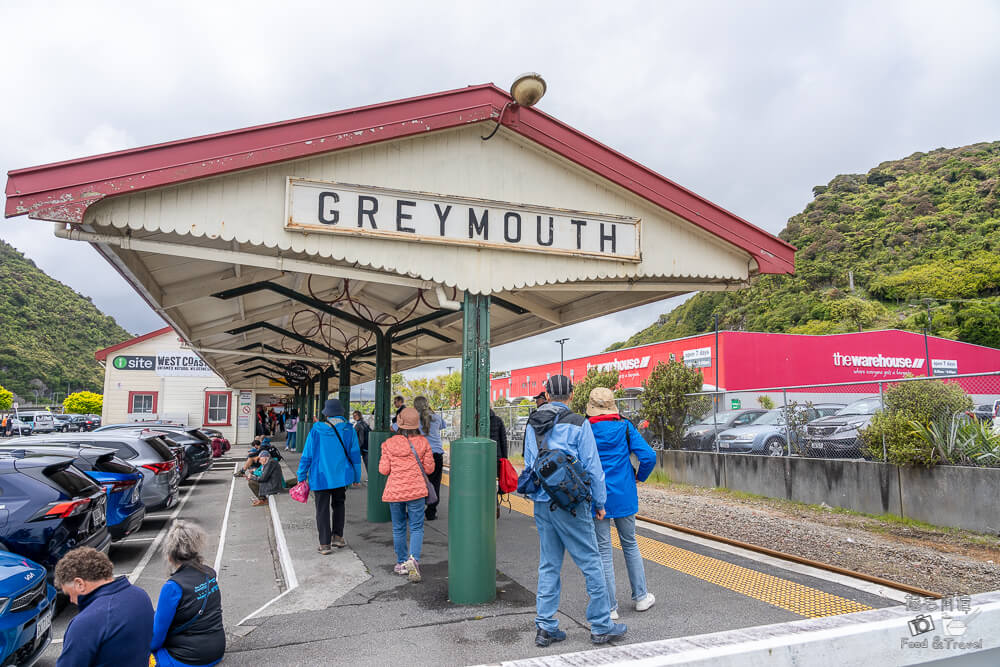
point(266, 480)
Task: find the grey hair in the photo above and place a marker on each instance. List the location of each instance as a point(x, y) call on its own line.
point(184, 544)
point(560, 399)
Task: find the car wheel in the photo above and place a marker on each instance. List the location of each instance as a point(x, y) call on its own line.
point(775, 447)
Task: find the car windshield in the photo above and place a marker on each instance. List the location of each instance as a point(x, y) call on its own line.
point(769, 417)
point(720, 418)
point(866, 406)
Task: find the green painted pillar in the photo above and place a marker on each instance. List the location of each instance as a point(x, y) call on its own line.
point(378, 511)
point(310, 409)
point(472, 544)
point(345, 385)
point(300, 405)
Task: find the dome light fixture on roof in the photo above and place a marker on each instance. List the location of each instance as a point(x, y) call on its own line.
point(526, 90)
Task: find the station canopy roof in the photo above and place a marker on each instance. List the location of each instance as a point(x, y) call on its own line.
point(385, 214)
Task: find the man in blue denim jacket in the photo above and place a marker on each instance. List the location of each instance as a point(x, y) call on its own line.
point(560, 531)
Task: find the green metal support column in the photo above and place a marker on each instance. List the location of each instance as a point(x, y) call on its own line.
point(345, 385)
point(378, 511)
point(300, 434)
point(310, 409)
point(472, 545)
point(324, 391)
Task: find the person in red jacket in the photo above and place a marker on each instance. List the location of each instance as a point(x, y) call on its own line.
point(406, 461)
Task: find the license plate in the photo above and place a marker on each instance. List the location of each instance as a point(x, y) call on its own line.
point(44, 623)
point(723, 444)
point(816, 445)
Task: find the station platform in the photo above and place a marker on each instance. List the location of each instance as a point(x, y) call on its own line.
point(350, 605)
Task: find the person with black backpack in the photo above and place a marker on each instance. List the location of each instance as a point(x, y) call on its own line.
point(563, 475)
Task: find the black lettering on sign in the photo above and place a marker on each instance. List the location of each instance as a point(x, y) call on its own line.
point(508, 237)
point(609, 237)
point(400, 216)
point(551, 231)
point(579, 232)
point(442, 215)
point(480, 226)
point(327, 215)
point(365, 210)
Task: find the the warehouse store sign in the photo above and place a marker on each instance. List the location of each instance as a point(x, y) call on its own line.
point(165, 364)
point(316, 206)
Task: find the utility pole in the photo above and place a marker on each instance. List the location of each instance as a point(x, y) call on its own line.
point(927, 326)
point(562, 343)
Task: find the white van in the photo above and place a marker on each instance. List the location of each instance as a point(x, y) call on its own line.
point(40, 421)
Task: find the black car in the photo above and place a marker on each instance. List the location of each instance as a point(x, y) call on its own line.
point(49, 507)
point(701, 436)
point(66, 423)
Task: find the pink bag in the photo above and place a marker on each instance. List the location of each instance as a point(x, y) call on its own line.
point(300, 492)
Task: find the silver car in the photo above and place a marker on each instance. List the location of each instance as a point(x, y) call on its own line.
point(154, 459)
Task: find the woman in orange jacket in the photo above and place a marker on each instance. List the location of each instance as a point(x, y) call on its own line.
point(407, 460)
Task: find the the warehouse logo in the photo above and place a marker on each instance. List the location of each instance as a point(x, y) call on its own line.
point(862, 361)
point(621, 364)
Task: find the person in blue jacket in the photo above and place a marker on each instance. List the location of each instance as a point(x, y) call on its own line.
point(617, 439)
point(331, 461)
point(560, 531)
point(115, 622)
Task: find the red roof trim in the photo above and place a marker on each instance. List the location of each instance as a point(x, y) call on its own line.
point(101, 355)
point(62, 191)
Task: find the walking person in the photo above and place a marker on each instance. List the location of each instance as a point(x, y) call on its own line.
point(559, 530)
point(407, 461)
point(498, 434)
point(362, 428)
point(115, 623)
point(431, 424)
point(291, 429)
point(187, 628)
point(331, 461)
point(617, 439)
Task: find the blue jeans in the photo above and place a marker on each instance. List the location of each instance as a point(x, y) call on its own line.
point(633, 559)
point(559, 532)
point(414, 510)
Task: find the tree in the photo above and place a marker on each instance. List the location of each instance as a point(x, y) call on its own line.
point(453, 389)
point(6, 398)
point(859, 312)
point(83, 403)
point(593, 379)
point(665, 401)
point(766, 402)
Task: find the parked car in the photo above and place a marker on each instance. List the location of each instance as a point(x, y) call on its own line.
point(37, 421)
point(28, 603)
point(67, 423)
point(149, 453)
point(18, 427)
point(50, 507)
point(194, 449)
point(121, 481)
point(986, 412)
point(839, 434)
point(85, 422)
point(767, 434)
point(701, 436)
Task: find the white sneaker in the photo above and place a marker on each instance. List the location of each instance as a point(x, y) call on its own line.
point(644, 603)
point(614, 614)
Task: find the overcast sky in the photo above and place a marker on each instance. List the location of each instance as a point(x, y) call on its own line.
point(749, 104)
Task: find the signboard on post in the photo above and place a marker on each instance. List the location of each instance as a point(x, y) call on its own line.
point(246, 409)
point(699, 358)
point(359, 210)
point(296, 373)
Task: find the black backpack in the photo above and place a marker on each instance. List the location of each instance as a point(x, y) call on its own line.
point(562, 475)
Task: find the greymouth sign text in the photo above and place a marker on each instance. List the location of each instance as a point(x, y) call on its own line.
point(316, 206)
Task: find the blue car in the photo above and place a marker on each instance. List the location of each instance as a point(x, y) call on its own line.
point(122, 481)
point(49, 507)
point(27, 602)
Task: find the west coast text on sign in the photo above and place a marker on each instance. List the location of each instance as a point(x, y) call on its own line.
point(316, 206)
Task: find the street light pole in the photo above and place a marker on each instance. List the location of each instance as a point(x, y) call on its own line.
point(562, 343)
point(927, 349)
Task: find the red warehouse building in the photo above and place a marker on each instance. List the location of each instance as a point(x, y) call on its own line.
point(741, 360)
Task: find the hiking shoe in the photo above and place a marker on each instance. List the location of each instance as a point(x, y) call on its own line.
point(338, 542)
point(617, 631)
point(545, 638)
point(412, 569)
point(645, 602)
point(614, 614)
point(400, 569)
point(325, 549)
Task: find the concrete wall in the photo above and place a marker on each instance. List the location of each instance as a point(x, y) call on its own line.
point(945, 495)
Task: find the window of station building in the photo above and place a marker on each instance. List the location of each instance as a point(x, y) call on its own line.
point(217, 408)
point(142, 402)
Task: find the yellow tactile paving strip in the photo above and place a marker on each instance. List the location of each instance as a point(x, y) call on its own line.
point(788, 595)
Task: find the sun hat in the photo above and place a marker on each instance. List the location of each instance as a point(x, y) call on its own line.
point(333, 408)
point(601, 402)
point(559, 385)
point(409, 419)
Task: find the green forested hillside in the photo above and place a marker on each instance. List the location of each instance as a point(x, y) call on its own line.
point(917, 232)
point(48, 332)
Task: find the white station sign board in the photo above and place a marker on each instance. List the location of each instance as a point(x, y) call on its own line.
point(358, 210)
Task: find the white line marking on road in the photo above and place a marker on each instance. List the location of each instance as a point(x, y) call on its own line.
point(284, 556)
point(148, 556)
point(225, 522)
point(265, 606)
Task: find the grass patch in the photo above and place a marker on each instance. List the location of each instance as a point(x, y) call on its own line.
point(658, 478)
